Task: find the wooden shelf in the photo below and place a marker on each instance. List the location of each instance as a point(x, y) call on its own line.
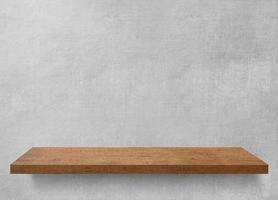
point(177, 160)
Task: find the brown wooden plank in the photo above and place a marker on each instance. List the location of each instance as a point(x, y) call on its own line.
point(180, 160)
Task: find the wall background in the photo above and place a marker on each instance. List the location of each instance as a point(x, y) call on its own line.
point(139, 73)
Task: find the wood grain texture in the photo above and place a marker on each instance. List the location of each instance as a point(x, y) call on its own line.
point(178, 160)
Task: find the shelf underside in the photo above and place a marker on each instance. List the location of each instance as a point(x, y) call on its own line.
point(172, 160)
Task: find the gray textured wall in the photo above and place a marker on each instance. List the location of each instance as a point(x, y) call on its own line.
point(139, 73)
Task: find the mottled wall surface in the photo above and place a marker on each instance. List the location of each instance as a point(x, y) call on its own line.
point(139, 73)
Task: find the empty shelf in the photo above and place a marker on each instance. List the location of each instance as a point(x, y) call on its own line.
point(150, 160)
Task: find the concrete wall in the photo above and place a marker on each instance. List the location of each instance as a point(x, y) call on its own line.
point(139, 73)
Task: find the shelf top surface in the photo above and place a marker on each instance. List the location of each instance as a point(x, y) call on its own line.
point(138, 156)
